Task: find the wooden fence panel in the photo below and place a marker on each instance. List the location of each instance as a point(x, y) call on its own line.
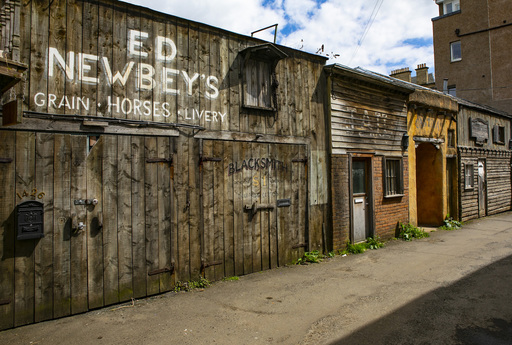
point(24, 269)
point(7, 236)
point(43, 255)
point(124, 217)
point(110, 202)
point(94, 227)
point(151, 197)
point(62, 226)
point(78, 228)
point(165, 213)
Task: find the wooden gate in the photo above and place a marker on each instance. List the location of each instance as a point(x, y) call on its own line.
point(108, 222)
point(254, 206)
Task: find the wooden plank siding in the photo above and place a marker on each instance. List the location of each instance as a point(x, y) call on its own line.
point(366, 119)
point(120, 103)
point(497, 158)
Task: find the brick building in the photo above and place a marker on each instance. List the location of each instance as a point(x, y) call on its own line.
point(472, 49)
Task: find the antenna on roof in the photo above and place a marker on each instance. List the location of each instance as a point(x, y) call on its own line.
point(268, 27)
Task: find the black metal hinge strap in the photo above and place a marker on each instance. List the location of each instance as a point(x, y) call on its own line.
point(161, 270)
point(300, 160)
point(209, 264)
point(5, 301)
point(5, 160)
point(159, 160)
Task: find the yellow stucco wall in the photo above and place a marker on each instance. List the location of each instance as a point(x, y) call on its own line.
point(430, 125)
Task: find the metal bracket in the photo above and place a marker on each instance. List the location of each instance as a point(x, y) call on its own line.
point(203, 159)
point(160, 160)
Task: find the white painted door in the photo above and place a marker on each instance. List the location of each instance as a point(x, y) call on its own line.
point(359, 200)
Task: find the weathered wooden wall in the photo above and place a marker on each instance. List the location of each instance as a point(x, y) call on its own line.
point(497, 158)
point(366, 117)
point(170, 208)
point(498, 176)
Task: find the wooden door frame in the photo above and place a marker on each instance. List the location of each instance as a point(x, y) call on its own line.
point(370, 225)
point(486, 205)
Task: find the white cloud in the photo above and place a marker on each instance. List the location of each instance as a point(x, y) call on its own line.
point(400, 35)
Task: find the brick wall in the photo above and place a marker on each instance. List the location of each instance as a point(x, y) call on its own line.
point(389, 211)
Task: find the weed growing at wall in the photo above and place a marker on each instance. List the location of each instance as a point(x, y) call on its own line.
point(450, 224)
point(310, 257)
point(202, 283)
point(408, 232)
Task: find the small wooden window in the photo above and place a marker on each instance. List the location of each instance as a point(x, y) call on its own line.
point(451, 138)
point(393, 177)
point(469, 182)
point(259, 76)
point(258, 85)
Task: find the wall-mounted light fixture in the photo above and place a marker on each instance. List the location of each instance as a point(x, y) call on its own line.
point(405, 141)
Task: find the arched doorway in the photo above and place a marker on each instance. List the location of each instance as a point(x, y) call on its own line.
point(429, 185)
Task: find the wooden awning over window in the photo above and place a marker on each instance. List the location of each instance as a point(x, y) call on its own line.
point(268, 52)
point(11, 73)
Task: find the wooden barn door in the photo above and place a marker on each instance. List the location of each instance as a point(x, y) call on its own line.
point(254, 206)
point(108, 220)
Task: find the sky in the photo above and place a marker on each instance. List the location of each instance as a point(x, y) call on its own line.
point(379, 35)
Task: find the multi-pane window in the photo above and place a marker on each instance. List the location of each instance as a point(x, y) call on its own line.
point(451, 6)
point(455, 51)
point(393, 182)
point(469, 176)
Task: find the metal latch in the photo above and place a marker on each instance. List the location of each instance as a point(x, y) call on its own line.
point(254, 208)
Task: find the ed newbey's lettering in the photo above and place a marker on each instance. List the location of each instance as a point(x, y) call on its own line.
point(127, 106)
point(93, 70)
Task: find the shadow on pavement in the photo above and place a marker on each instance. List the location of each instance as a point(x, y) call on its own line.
point(475, 310)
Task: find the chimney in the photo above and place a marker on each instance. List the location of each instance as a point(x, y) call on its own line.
point(445, 86)
point(422, 74)
point(402, 74)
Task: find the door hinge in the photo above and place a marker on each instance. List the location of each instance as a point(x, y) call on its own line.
point(161, 270)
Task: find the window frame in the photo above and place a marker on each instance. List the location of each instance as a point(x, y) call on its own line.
point(450, 140)
point(398, 191)
point(259, 77)
point(452, 45)
point(453, 3)
point(469, 179)
point(498, 134)
point(452, 90)
point(261, 70)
